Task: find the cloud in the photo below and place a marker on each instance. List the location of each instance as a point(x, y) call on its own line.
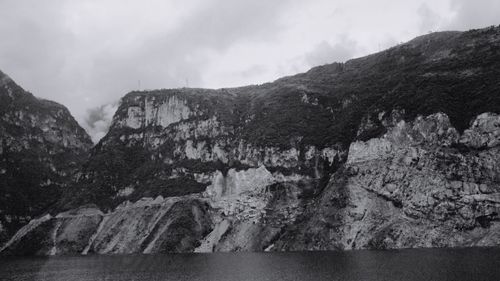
point(474, 14)
point(253, 70)
point(98, 120)
point(429, 20)
point(324, 52)
point(31, 35)
point(87, 53)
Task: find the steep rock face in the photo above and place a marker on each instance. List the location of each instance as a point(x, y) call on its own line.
point(251, 208)
point(379, 152)
point(224, 218)
point(300, 124)
point(147, 226)
point(40, 147)
point(422, 184)
point(175, 142)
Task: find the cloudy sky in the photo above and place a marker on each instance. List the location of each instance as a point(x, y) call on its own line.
point(87, 54)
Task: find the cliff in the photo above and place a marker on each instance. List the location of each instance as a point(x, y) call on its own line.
point(161, 140)
point(41, 145)
point(422, 184)
point(396, 149)
point(177, 142)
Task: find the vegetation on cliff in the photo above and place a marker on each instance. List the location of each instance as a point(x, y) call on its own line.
point(451, 72)
point(41, 145)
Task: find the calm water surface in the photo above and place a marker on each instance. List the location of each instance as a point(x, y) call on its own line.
point(419, 264)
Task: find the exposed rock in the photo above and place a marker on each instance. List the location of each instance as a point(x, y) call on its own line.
point(212, 239)
point(148, 226)
point(377, 152)
point(237, 182)
point(484, 132)
point(172, 142)
point(302, 124)
point(41, 146)
point(151, 113)
point(408, 188)
point(245, 210)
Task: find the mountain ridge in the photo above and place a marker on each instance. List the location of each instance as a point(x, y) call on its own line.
point(41, 144)
point(324, 107)
point(271, 166)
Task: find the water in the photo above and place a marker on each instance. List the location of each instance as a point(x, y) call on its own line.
point(418, 264)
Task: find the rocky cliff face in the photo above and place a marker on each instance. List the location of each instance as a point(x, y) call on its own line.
point(170, 142)
point(397, 149)
point(40, 147)
point(178, 142)
point(248, 218)
point(422, 184)
point(149, 226)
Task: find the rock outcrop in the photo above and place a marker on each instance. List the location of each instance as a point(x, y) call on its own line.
point(177, 142)
point(147, 226)
point(422, 184)
point(170, 142)
point(396, 149)
point(41, 145)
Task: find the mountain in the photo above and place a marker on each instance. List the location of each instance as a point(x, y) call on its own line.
point(41, 145)
point(393, 150)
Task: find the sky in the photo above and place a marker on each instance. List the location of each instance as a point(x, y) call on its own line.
point(87, 54)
